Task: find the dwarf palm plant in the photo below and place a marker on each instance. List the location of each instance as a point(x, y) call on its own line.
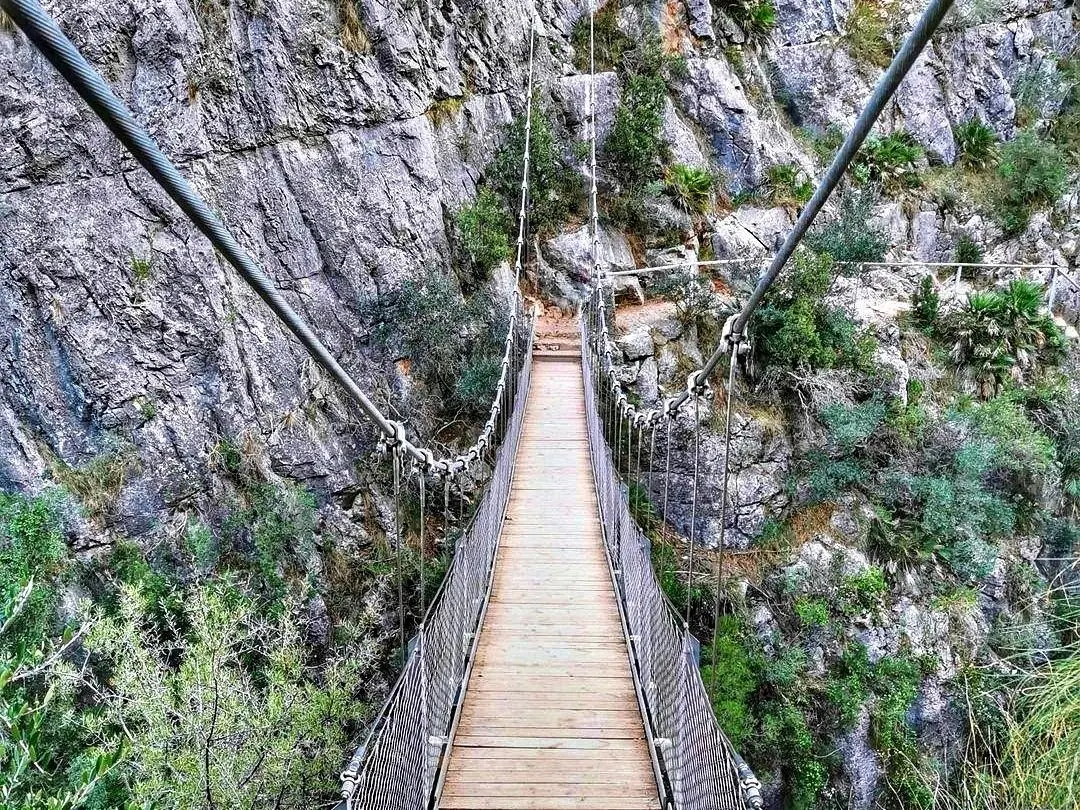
point(690, 187)
point(1005, 335)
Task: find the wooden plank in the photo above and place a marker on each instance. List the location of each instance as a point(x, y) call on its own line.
point(548, 803)
point(550, 717)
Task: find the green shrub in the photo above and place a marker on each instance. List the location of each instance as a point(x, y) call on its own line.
point(967, 250)
point(695, 300)
point(867, 35)
point(1032, 172)
point(445, 338)
point(634, 148)
point(786, 731)
point(554, 189)
point(32, 549)
point(850, 427)
point(812, 612)
point(826, 477)
point(796, 328)
point(756, 18)
point(976, 144)
point(926, 305)
point(141, 269)
point(484, 225)
point(889, 161)
point(862, 592)
point(896, 684)
point(788, 185)
point(851, 236)
point(609, 42)
point(230, 715)
point(690, 187)
point(46, 760)
point(951, 509)
point(735, 678)
point(848, 687)
point(1004, 335)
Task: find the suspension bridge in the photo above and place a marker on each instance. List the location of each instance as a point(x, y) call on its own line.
point(549, 670)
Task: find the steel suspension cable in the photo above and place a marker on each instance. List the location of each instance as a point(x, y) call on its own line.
point(732, 368)
point(42, 30)
point(525, 162)
point(593, 215)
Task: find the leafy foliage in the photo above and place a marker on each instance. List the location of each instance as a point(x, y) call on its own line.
point(634, 148)
point(756, 18)
point(867, 35)
point(926, 305)
point(553, 187)
point(1004, 335)
point(1032, 172)
point(484, 225)
point(609, 42)
point(788, 185)
point(976, 144)
point(967, 250)
point(851, 236)
point(889, 161)
point(795, 327)
point(695, 300)
point(446, 337)
point(691, 187)
point(240, 721)
point(46, 761)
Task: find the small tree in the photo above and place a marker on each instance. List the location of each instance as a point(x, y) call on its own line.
point(230, 714)
point(851, 236)
point(926, 305)
point(484, 225)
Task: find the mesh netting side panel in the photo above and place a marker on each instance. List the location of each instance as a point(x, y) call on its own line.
point(697, 759)
point(398, 767)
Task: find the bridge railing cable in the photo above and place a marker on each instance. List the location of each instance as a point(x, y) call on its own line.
point(700, 768)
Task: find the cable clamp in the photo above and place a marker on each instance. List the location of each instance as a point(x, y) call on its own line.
point(730, 340)
point(671, 407)
point(695, 384)
point(396, 442)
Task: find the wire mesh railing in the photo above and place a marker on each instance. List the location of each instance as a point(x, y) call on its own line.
point(398, 765)
point(700, 769)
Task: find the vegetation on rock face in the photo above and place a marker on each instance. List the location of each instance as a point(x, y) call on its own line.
point(867, 34)
point(691, 187)
point(788, 185)
point(634, 148)
point(889, 162)
point(609, 42)
point(1032, 171)
point(756, 18)
point(795, 327)
point(454, 344)
point(851, 236)
point(976, 144)
point(553, 190)
point(483, 225)
point(241, 720)
point(1004, 336)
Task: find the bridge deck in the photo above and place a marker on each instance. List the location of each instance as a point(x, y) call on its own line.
point(550, 718)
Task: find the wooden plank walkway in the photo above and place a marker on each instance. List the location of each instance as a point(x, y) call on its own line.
point(550, 718)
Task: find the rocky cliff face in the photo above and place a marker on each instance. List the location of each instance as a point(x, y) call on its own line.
point(309, 126)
